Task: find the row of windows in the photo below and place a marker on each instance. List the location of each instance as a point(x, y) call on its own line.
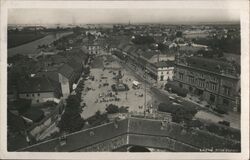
point(199, 75)
point(166, 73)
point(32, 95)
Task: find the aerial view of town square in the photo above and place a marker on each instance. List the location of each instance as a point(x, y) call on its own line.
point(123, 81)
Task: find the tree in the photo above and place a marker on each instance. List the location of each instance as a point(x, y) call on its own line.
point(73, 102)
point(179, 113)
point(112, 109)
point(178, 34)
point(162, 47)
point(71, 120)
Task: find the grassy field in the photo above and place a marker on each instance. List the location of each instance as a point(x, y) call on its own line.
point(16, 39)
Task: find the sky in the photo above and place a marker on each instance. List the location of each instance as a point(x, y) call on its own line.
point(106, 16)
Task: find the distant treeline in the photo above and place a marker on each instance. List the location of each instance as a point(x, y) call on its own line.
point(226, 45)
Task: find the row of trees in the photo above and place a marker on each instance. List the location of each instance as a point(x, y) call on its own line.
point(111, 108)
point(179, 113)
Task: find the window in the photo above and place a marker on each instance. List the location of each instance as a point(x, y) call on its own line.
point(27, 95)
point(162, 77)
point(37, 101)
point(167, 72)
point(207, 85)
point(32, 94)
point(214, 79)
point(161, 72)
point(181, 76)
point(214, 86)
point(38, 94)
point(226, 90)
point(191, 79)
point(201, 82)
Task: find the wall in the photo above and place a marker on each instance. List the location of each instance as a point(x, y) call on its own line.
point(167, 73)
point(64, 85)
point(210, 80)
point(37, 97)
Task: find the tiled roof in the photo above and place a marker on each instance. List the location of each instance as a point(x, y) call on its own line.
point(75, 64)
point(149, 54)
point(35, 85)
point(208, 64)
point(34, 114)
point(164, 64)
point(53, 75)
point(66, 71)
point(127, 48)
point(58, 59)
point(140, 127)
point(122, 45)
point(16, 123)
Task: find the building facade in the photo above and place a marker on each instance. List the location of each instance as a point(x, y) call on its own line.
point(162, 71)
point(37, 89)
point(215, 81)
point(93, 49)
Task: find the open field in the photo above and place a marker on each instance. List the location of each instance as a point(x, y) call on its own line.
point(16, 39)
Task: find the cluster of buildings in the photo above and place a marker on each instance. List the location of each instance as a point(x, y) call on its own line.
point(55, 78)
point(214, 80)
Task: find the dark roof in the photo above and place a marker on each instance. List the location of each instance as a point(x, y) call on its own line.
point(58, 59)
point(132, 49)
point(208, 64)
point(122, 45)
point(75, 64)
point(35, 85)
point(127, 48)
point(15, 122)
point(138, 128)
point(34, 114)
point(148, 54)
point(164, 64)
point(53, 75)
point(66, 71)
point(190, 48)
